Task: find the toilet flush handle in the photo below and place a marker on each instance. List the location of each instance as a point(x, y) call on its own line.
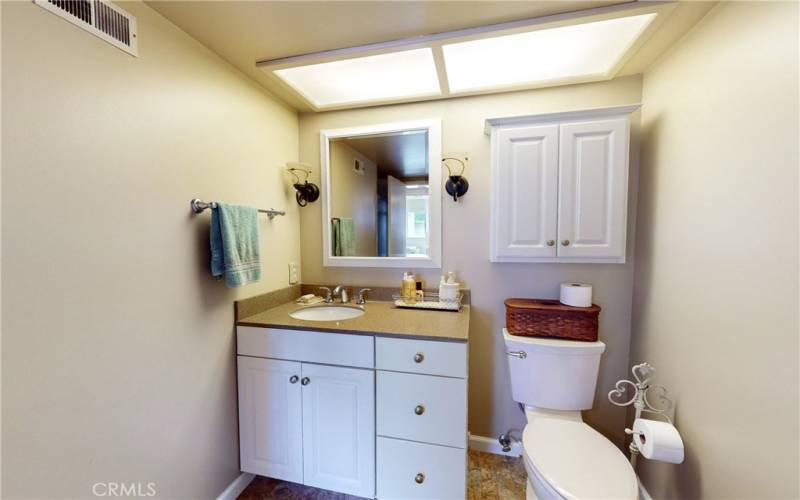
point(518, 354)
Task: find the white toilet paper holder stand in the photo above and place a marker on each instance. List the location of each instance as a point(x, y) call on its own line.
point(643, 374)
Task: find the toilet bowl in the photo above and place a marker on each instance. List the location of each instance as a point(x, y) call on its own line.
point(564, 457)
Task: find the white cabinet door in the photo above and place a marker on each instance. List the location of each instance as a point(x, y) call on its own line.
point(525, 193)
point(270, 421)
point(593, 189)
point(339, 429)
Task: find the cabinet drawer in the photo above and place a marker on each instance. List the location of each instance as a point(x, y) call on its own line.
point(422, 408)
point(442, 471)
point(298, 345)
point(421, 356)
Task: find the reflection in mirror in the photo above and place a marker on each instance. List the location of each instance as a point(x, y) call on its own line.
point(379, 195)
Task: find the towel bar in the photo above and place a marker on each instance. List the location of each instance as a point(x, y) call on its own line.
point(199, 205)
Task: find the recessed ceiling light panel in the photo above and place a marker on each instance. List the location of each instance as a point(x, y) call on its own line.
point(397, 75)
point(542, 56)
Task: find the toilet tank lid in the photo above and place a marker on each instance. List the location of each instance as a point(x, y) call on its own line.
point(576, 347)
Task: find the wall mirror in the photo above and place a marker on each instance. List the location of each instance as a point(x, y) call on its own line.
point(382, 195)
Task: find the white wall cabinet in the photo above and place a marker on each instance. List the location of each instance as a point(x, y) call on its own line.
point(560, 186)
point(317, 424)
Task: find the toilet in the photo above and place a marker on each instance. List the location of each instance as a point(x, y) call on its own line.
point(564, 457)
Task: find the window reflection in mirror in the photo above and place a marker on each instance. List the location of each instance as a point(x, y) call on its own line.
point(379, 195)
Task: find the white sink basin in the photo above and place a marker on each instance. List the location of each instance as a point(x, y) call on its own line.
point(327, 312)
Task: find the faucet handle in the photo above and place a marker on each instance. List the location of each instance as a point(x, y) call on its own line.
point(328, 294)
point(361, 296)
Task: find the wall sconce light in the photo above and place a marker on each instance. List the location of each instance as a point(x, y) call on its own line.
point(456, 185)
point(307, 192)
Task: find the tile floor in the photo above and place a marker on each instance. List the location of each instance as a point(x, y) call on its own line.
point(494, 477)
point(491, 477)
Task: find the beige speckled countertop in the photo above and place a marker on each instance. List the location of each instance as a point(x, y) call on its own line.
point(380, 318)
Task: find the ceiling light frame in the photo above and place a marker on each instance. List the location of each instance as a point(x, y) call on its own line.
point(437, 40)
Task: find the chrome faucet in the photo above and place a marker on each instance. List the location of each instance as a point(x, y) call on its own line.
point(362, 296)
point(328, 296)
point(341, 292)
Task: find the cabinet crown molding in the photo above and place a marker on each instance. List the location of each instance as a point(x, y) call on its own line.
point(560, 116)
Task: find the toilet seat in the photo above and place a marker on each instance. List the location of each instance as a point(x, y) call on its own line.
point(575, 461)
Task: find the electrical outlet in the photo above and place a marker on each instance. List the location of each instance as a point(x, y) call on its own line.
point(293, 279)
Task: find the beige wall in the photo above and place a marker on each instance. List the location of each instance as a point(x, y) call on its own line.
point(466, 247)
point(355, 196)
point(118, 359)
point(716, 301)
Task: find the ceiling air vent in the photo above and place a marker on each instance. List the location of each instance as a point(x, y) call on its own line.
point(100, 18)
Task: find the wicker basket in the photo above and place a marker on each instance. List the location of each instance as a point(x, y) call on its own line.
point(550, 318)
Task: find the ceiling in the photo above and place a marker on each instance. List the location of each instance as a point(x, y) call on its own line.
point(401, 155)
point(243, 32)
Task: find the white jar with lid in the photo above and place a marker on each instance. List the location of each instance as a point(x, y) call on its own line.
point(448, 288)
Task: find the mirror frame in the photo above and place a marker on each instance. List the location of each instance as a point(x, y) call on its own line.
point(434, 129)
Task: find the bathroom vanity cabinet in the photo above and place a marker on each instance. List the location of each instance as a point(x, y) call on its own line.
point(560, 186)
point(366, 415)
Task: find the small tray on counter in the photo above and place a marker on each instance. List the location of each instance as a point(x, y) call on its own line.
point(430, 301)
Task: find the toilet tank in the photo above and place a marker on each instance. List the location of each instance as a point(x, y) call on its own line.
point(553, 374)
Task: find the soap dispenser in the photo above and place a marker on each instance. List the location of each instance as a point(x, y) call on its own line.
point(409, 289)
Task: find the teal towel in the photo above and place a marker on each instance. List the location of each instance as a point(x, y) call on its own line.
point(344, 237)
point(235, 244)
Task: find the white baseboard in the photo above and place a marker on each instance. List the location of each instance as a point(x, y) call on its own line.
point(491, 445)
point(237, 486)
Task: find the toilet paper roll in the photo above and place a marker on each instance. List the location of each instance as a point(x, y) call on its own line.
point(658, 440)
point(576, 294)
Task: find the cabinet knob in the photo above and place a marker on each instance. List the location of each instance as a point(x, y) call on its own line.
point(565, 243)
point(305, 381)
point(419, 410)
point(551, 242)
point(419, 478)
point(293, 379)
point(419, 357)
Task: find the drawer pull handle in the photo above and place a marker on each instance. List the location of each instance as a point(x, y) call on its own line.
point(518, 354)
point(293, 379)
point(419, 410)
point(419, 478)
point(305, 381)
point(419, 357)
